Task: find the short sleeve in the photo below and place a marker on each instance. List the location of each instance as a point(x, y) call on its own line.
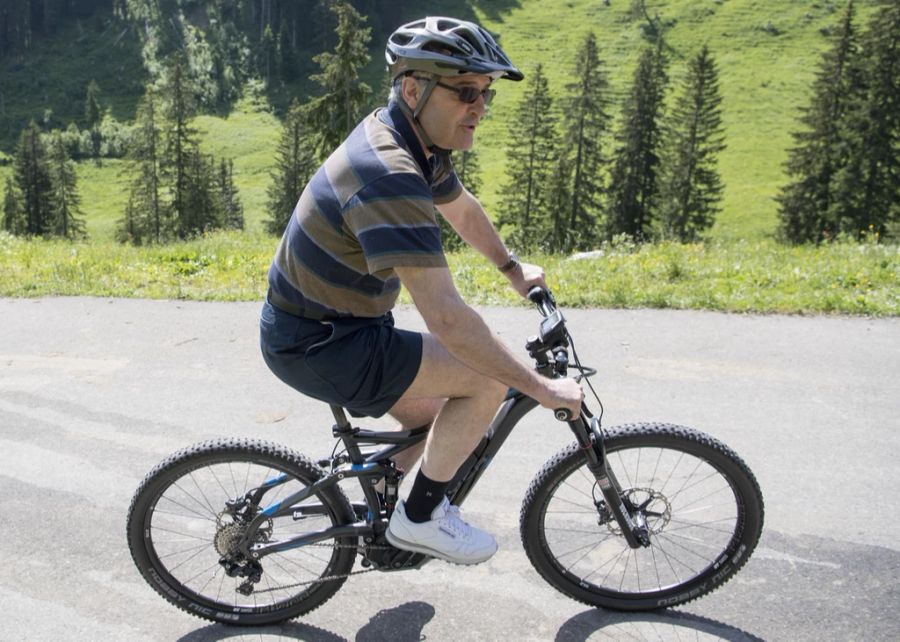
point(393, 219)
point(447, 190)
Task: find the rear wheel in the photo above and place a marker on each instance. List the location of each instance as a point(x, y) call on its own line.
point(191, 511)
point(702, 506)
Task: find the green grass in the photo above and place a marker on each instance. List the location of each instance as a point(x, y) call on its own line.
point(745, 276)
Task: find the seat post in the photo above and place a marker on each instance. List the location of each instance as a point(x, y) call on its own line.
point(340, 418)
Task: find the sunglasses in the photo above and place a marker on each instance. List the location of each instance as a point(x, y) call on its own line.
point(469, 94)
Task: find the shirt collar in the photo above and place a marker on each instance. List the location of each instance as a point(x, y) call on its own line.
point(394, 117)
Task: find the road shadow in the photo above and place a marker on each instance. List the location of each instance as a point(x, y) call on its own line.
point(598, 624)
point(403, 623)
point(803, 588)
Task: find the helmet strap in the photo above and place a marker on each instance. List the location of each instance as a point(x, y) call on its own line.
point(443, 154)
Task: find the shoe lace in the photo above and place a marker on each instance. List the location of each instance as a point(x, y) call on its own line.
point(455, 522)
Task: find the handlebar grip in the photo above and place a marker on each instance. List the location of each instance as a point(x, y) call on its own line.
point(537, 295)
point(563, 414)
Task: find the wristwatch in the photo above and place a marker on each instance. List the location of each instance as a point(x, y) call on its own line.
point(510, 265)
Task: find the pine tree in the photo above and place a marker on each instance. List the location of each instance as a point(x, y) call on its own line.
point(532, 155)
point(559, 234)
point(203, 207)
point(585, 125)
point(867, 187)
point(267, 55)
point(128, 228)
point(93, 116)
point(93, 113)
point(334, 114)
point(820, 150)
point(232, 210)
point(692, 188)
point(65, 214)
point(294, 166)
point(181, 147)
point(633, 181)
point(32, 178)
point(287, 57)
point(147, 217)
point(13, 214)
point(468, 169)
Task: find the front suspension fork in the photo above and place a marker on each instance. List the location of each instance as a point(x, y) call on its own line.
point(590, 439)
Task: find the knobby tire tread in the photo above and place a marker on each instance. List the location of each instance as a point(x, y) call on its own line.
point(531, 527)
point(206, 452)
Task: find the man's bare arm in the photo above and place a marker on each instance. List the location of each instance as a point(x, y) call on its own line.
point(466, 215)
point(464, 334)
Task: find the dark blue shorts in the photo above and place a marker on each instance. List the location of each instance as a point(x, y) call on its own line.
point(364, 365)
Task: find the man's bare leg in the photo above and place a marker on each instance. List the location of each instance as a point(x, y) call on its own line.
point(412, 413)
point(471, 402)
point(425, 522)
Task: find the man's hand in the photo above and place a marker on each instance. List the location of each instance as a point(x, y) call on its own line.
point(525, 276)
point(562, 393)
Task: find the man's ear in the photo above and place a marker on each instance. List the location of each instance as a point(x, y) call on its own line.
point(411, 91)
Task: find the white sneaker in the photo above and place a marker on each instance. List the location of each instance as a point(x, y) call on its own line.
point(445, 535)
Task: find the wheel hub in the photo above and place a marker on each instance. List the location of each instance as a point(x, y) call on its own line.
point(229, 533)
point(645, 504)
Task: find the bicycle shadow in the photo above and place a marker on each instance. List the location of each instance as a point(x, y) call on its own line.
point(661, 625)
point(403, 623)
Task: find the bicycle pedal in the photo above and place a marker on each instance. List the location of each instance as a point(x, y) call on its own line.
point(405, 560)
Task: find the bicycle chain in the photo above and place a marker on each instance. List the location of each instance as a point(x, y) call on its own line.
point(328, 578)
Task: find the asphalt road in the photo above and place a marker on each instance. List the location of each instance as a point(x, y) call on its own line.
point(94, 392)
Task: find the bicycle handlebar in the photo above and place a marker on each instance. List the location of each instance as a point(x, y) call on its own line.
point(543, 299)
point(553, 338)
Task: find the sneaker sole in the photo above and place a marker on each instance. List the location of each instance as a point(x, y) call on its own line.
point(419, 548)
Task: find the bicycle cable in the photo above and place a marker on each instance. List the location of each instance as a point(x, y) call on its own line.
point(581, 369)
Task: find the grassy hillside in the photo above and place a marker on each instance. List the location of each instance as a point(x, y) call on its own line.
point(767, 51)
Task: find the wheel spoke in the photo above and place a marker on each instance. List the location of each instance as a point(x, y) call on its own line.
point(190, 529)
point(691, 508)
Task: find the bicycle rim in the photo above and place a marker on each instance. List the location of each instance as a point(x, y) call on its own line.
point(701, 505)
point(185, 529)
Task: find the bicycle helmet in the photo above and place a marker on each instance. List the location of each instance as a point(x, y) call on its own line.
point(447, 47)
point(443, 47)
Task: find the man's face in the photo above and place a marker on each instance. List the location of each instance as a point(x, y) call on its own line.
point(450, 122)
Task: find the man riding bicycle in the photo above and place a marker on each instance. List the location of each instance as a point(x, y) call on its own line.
point(366, 223)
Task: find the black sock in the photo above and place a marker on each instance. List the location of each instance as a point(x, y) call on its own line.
point(424, 497)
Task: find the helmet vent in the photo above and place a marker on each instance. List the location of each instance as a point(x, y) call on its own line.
point(468, 43)
point(446, 46)
point(437, 47)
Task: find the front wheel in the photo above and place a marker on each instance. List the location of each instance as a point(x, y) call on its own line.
point(701, 503)
point(190, 513)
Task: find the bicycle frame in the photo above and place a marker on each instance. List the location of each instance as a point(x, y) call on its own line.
point(371, 467)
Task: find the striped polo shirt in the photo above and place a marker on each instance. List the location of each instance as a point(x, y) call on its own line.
point(368, 209)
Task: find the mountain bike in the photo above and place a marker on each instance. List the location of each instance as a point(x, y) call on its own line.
point(637, 517)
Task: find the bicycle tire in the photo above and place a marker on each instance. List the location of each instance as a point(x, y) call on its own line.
point(175, 525)
point(704, 511)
